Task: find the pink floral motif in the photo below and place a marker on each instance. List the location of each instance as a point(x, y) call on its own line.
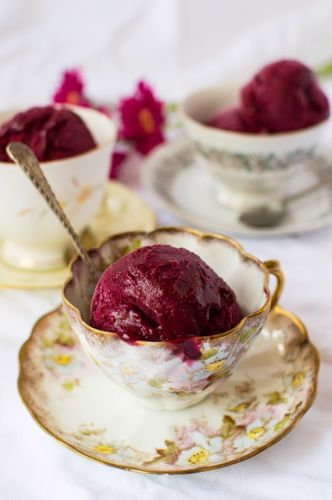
point(189, 385)
point(260, 411)
point(228, 447)
point(184, 435)
point(142, 119)
point(243, 422)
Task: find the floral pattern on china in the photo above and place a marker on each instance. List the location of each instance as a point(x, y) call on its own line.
point(262, 401)
point(168, 374)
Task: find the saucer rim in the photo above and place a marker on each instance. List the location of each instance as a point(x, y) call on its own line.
point(65, 270)
point(312, 392)
point(148, 174)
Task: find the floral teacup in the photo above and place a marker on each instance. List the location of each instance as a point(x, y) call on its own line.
point(252, 168)
point(32, 236)
point(169, 374)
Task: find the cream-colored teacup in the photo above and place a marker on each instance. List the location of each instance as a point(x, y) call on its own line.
point(173, 375)
point(32, 237)
point(253, 169)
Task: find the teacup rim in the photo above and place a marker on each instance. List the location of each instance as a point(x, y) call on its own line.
point(79, 155)
point(200, 235)
point(240, 135)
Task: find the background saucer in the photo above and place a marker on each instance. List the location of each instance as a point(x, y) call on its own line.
point(76, 403)
point(121, 210)
point(189, 191)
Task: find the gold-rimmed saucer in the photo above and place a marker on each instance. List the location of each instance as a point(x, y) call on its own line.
point(121, 210)
point(77, 405)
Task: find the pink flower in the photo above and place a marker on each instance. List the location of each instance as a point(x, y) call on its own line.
point(260, 411)
point(190, 385)
point(142, 119)
point(184, 436)
point(71, 89)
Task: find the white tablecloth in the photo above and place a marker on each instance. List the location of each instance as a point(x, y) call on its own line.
point(177, 46)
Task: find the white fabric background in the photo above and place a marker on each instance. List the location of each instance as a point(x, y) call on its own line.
point(177, 45)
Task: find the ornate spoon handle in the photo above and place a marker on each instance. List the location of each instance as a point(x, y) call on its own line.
point(25, 158)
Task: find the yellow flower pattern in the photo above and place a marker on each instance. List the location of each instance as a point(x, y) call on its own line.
point(199, 456)
point(69, 385)
point(281, 424)
point(104, 449)
point(297, 380)
point(240, 407)
point(208, 353)
point(62, 359)
point(212, 367)
point(256, 433)
point(128, 369)
point(275, 398)
point(250, 417)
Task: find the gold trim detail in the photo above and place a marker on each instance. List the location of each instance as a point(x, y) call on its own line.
point(23, 355)
point(274, 268)
point(201, 236)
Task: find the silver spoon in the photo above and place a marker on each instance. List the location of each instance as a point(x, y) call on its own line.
point(25, 158)
point(266, 215)
point(272, 214)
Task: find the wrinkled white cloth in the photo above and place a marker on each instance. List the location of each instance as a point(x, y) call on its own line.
point(178, 46)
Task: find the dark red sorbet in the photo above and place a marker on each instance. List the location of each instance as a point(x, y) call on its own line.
point(285, 96)
point(159, 293)
point(51, 133)
point(235, 120)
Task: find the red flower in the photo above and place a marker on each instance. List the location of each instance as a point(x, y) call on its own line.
point(142, 119)
point(71, 89)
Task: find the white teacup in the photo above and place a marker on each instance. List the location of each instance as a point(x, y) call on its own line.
point(33, 238)
point(252, 168)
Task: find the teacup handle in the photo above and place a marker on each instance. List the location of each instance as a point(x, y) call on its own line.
point(273, 267)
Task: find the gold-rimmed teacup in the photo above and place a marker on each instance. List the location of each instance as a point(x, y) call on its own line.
point(175, 374)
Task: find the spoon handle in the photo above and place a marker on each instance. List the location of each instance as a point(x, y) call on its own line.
point(25, 158)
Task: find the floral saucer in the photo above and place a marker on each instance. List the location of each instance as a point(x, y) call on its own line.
point(121, 210)
point(77, 405)
point(189, 191)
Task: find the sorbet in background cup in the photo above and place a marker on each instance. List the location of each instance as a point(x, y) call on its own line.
point(268, 137)
point(32, 236)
